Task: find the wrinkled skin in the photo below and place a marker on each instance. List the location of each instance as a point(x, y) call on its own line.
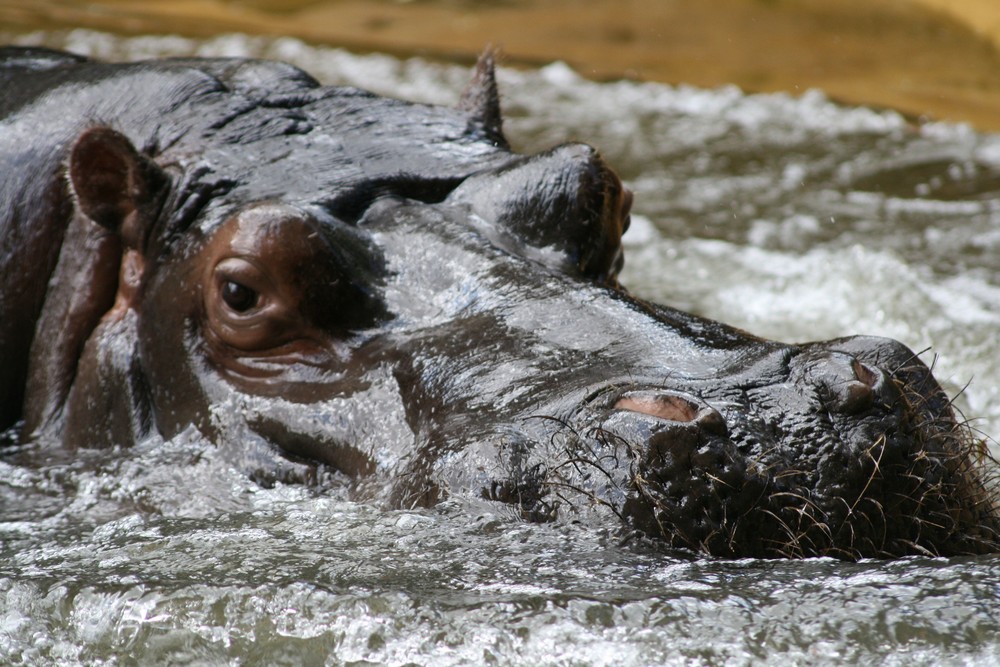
point(319, 279)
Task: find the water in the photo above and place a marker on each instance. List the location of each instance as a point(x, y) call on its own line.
point(794, 218)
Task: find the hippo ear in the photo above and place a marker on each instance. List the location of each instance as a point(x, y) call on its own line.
point(482, 100)
point(115, 186)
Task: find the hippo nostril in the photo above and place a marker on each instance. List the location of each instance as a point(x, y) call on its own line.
point(675, 408)
point(856, 392)
point(665, 406)
point(866, 375)
point(842, 382)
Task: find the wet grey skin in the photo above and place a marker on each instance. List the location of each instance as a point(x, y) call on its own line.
point(327, 283)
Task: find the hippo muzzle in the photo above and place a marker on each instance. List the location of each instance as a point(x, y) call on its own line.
point(852, 452)
point(325, 283)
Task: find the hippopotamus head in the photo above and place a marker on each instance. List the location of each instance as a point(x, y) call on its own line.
point(320, 280)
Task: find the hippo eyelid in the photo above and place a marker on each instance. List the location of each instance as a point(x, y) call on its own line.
point(243, 272)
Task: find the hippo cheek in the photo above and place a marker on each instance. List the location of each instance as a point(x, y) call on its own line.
point(109, 401)
point(169, 348)
point(320, 444)
point(338, 433)
point(245, 405)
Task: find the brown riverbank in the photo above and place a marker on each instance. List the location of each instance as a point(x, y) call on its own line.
point(933, 58)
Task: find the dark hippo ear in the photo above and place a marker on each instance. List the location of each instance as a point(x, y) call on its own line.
point(115, 186)
point(482, 100)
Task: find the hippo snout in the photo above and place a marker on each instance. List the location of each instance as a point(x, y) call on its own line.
point(835, 455)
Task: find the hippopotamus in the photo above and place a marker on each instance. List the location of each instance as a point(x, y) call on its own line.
point(327, 284)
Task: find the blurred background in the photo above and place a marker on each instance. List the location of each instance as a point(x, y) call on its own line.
point(926, 58)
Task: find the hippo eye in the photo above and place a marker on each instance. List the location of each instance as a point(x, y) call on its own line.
point(239, 297)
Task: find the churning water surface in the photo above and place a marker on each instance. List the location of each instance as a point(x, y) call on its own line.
point(794, 218)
